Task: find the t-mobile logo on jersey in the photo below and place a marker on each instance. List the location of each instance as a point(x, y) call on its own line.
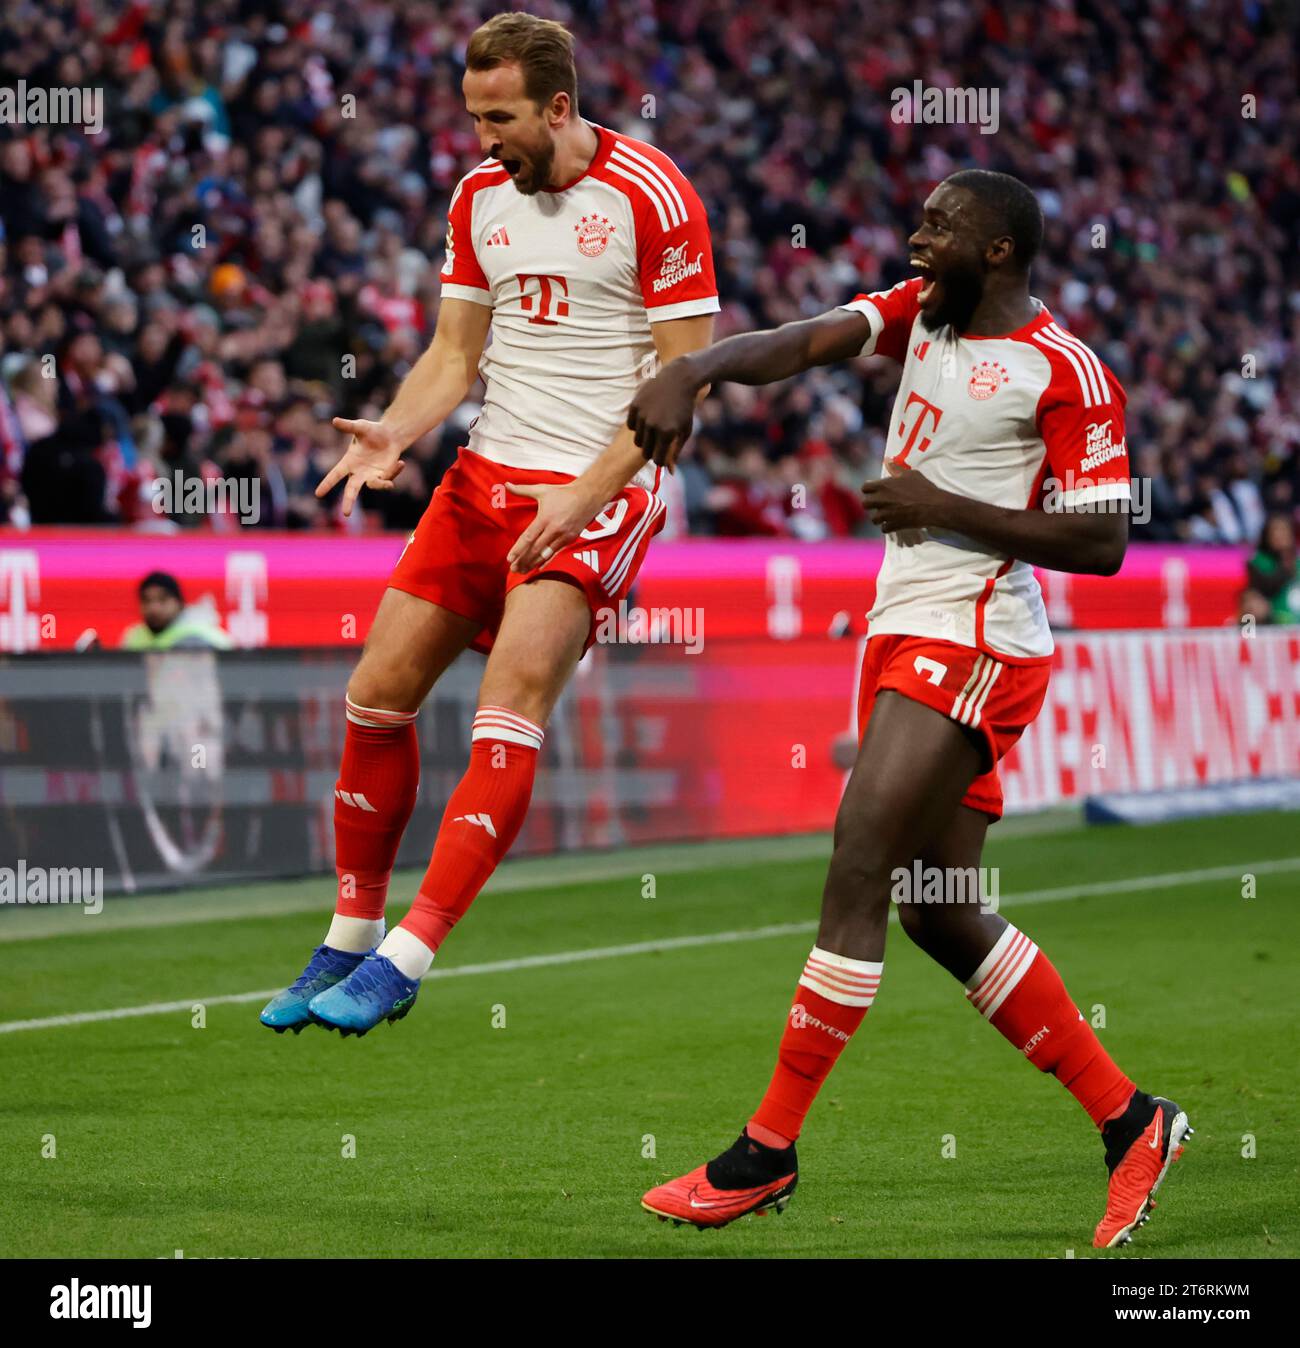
point(928, 413)
point(545, 298)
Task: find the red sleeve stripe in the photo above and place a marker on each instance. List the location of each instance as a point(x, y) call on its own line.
point(652, 181)
point(625, 152)
point(487, 166)
point(1092, 378)
point(1091, 364)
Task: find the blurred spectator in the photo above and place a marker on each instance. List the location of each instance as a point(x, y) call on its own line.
point(166, 624)
point(1272, 591)
point(253, 242)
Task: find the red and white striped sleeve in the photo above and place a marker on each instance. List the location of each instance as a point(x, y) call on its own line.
point(674, 250)
point(462, 277)
point(891, 314)
point(1081, 420)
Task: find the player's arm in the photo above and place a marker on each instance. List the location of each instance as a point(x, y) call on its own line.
point(564, 512)
point(663, 410)
point(437, 384)
point(1064, 540)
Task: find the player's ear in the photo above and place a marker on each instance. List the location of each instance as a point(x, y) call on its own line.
point(1000, 251)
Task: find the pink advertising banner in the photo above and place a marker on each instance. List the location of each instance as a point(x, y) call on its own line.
point(321, 590)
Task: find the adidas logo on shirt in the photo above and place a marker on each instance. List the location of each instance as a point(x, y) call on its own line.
point(498, 237)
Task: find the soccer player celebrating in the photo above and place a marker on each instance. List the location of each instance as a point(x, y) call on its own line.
point(1006, 451)
point(589, 255)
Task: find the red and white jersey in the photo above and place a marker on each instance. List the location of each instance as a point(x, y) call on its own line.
point(1022, 420)
point(574, 278)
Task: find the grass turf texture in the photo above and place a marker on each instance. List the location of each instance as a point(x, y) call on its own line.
point(529, 1139)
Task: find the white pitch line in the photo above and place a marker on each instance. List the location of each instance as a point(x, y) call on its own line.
point(459, 971)
point(1165, 880)
point(1169, 880)
point(141, 912)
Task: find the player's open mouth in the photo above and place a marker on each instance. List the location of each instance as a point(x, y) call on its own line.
point(511, 166)
point(926, 293)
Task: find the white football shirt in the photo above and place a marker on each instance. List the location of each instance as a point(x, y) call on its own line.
point(574, 277)
point(1021, 420)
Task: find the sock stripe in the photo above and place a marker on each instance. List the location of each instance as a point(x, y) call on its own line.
point(1009, 934)
point(845, 976)
point(498, 723)
point(376, 717)
point(840, 979)
point(1002, 969)
point(505, 714)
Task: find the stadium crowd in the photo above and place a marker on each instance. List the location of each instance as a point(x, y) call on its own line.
point(267, 200)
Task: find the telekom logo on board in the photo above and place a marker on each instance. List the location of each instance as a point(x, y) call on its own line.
point(246, 620)
point(20, 589)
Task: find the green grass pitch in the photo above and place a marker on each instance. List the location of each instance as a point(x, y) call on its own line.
point(523, 1112)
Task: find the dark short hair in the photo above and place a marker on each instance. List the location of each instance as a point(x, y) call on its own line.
point(1010, 207)
point(162, 580)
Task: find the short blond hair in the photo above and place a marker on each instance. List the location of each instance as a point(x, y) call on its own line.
point(542, 48)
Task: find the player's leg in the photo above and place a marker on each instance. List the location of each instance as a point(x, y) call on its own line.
point(549, 619)
point(1018, 990)
point(956, 934)
point(411, 643)
point(913, 768)
point(540, 640)
point(1008, 980)
point(541, 630)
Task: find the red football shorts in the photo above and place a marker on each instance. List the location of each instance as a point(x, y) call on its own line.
point(997, 699)
point(457, 555)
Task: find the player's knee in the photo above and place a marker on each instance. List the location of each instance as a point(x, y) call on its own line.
point(858, 873)
point(385, 690)
point(524, 691)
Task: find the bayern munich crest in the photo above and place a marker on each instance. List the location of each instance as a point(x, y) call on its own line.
point(986, 378)
point(593, 233)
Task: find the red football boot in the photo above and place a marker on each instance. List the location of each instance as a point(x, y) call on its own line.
point(1141, 1145)
point(747, 1177)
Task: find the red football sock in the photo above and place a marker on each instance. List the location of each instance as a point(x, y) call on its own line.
point(833, 996)
point(1017, 989)
point(482, 818)
point(373, 800)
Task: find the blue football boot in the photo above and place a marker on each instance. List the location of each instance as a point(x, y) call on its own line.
point(287, 1010)
point(375, 990)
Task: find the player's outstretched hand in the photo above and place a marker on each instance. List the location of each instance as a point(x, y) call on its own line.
point(372, 459)
point(903, 502)
point(563, 512)
point(663, 412)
